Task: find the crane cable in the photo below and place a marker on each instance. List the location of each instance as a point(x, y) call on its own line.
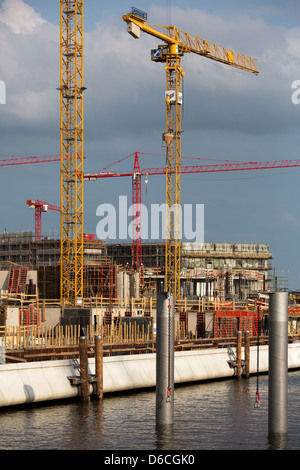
point(169, 388)
point(168, 12)
point(257, 397)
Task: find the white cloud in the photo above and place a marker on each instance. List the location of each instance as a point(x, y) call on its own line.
point(125, 90)
point(20, 17)
point(29, 66)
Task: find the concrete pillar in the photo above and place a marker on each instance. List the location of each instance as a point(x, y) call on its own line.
point(165, 359)
point(278, 362)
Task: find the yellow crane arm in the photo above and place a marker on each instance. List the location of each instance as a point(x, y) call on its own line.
point(189, 43)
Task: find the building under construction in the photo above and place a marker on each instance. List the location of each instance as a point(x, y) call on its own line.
point(33, 267)
point(224, 271)
point(223, 287)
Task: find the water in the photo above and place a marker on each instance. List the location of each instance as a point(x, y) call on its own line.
point(213, 416)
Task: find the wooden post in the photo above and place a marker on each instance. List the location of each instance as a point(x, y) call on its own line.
point(84, 377)
point(247, 354)
point(99, 366)
point(239, 355)
point(43, 310)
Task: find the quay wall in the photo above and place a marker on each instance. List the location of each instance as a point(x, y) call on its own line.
point(34, 382)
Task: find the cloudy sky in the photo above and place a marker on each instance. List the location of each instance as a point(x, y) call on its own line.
point(228, 115)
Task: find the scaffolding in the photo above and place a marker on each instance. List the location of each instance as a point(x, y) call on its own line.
point(22, 249)
point(221, 271)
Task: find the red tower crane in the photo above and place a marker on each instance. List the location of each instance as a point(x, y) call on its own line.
point(25, 160)
point(137, 222)
point(137, 192)
point(39, 207)
point(14, 160)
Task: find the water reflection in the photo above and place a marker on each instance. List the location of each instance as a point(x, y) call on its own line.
point(212, 415)
point(164, 436)
point(278, 441)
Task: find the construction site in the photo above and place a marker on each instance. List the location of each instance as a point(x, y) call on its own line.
point(78, 281)
point(221, 285)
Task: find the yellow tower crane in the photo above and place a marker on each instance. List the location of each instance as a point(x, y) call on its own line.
point(71, 142)
point(176, 44)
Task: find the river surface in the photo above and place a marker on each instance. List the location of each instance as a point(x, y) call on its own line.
point(212, 416)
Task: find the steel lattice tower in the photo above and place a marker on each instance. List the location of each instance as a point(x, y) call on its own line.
point(136, 213)
point(177, 43)
point(172, 138)
point(71, 142)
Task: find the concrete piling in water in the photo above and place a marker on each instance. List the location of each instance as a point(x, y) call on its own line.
point(278, 363)
point(84, 375)
point(99, 366)
point(165, 359)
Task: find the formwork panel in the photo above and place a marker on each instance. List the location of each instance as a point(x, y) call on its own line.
point(228, 323)
point(100, 280)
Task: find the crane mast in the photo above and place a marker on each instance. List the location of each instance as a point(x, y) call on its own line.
point(137, 214)
point(71, 142)
point(176, 43)
point(172, 139)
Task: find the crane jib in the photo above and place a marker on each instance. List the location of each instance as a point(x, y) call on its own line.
point(188, 43)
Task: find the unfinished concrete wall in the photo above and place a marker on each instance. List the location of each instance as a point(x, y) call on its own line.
point(3, 280)
point(12, 316)
point(52, 316)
